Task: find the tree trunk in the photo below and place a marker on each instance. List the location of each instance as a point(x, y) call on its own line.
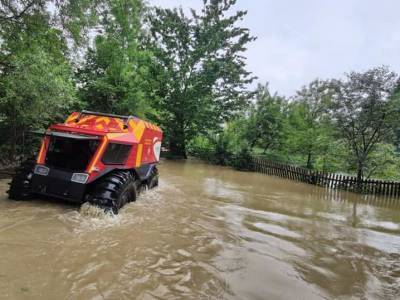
point(254, 141)
point(309, 164)
point(252, 144)
point(360, 174)
point(266, 148)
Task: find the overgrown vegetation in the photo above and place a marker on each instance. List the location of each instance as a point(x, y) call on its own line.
point(348, 126)
point(185, 71)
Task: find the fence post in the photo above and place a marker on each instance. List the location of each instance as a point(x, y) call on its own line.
point(388, 189)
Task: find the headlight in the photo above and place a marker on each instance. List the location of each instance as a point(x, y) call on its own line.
point(79, 177)
point(41, 170)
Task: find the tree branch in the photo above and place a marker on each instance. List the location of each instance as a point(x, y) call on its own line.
point(21, 13)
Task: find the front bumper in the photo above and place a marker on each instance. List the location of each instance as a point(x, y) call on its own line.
point(58, 184)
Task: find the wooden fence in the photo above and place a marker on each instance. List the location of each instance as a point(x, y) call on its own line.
point(330, 180)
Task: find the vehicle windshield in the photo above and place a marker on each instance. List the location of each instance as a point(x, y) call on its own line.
point(70, 154)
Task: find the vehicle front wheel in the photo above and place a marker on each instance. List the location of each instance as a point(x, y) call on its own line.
point(114, 191)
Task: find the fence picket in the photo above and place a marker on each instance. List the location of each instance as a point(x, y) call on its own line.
point(387, 189)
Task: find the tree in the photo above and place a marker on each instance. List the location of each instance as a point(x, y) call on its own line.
point(365, 112)
point(383, 163)
point(36, 84)
point(14, 11)
point(73, 18)
point(266, 119)
point(309, 127)
point(117, 75)
point(204, 77)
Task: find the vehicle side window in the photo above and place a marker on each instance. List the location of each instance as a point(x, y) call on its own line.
point(116, 154)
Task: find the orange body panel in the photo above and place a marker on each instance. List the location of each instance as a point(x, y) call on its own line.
point(144, 137)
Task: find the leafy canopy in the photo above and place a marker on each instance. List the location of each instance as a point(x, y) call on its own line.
point(365, 111)
point(117, 74)
point(203, 80)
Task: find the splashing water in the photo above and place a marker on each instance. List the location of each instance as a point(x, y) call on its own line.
point(92, 211)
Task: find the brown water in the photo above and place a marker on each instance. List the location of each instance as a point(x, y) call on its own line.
point(206, 233)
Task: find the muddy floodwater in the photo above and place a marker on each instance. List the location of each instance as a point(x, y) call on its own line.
point(207, 232)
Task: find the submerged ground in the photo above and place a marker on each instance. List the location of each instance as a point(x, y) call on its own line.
point(206, 232)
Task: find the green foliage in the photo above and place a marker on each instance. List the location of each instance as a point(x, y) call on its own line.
point(77, 18)
point(219, 149)
point(204, 74)
point(37, 89)
point(222, 153)
point(36, 79)
point(236, 130)
point(332, 157)
point(306, 133)
point(242, 159)
point(383, 163)
point(117, 75)
point(34, 94)
point(365, 111)
point(216, 149)
point(202, 147)
point(266, 120)
point(73, 18)
point(308, 128)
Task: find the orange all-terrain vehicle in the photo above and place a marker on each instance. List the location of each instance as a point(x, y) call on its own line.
point(103, 159)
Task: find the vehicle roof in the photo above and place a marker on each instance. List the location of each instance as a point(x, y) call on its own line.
point(102, 125)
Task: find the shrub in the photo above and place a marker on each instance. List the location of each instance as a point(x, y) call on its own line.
point(242, 160)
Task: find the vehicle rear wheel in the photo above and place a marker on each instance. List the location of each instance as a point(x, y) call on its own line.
point(115, 190)
point(20, 186)
point(153, 179)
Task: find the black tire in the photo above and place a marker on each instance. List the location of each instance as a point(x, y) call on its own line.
point(115, 190)
point(152, 182)
point(20, 186)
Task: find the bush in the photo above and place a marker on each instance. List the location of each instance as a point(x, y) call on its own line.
point(201, 147)
point(216, 150)
point(242, 160)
